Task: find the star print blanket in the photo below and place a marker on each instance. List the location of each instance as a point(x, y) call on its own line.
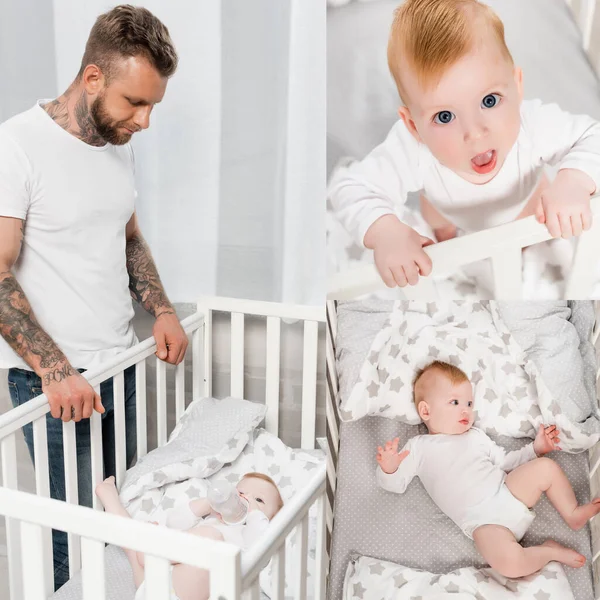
point(512, 398)
point(371, 579)
point(216, 440)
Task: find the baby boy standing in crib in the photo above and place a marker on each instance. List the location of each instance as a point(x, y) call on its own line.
point(466, 140)
point(465, 473)
point(198, 518)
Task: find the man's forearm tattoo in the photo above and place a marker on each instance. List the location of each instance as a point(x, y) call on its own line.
point(144, 282)
point(19, 327)
point(58, 374)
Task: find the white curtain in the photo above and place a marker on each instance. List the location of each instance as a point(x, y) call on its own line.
point(231, 172)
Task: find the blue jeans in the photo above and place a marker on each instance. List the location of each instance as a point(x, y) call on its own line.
point(25, 385)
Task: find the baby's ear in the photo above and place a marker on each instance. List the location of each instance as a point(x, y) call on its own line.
point(518, 74)
point(423, 411)
point(404, 114)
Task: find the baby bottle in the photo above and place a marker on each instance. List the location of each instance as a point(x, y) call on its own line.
point(224, 499)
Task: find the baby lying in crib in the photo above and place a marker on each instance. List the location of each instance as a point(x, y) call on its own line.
point(485, 490)
point(466, 140)
point(191, 583)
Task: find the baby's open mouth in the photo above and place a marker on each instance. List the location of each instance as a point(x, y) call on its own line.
point(485, 162)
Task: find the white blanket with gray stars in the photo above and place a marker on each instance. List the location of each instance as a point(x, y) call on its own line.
point(371, 579)
point(511, 396)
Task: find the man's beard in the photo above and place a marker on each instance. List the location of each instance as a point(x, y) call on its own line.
point(107, 128)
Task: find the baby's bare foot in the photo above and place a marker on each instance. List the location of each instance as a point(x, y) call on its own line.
point(566, 556)
point(106, 489)
point(582, 514)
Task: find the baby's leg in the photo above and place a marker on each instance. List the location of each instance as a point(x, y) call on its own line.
point(107, 492)
point(529, 481)
point(443, 229)
point(192, 583)
point(504, 554)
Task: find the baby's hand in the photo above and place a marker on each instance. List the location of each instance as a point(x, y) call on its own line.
point(399, 254)
point(565, 205)
point(388, 458)
point(546, 440)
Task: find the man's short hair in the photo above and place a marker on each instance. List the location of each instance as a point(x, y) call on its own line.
point(127, 31)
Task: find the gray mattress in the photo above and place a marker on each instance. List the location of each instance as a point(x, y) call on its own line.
point(410, 529)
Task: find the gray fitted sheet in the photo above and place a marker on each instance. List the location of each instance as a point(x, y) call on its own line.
point(410, 529)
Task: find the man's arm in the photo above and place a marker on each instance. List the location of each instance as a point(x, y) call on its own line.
point(147, 289)
point(144, 281)
point(19, 327)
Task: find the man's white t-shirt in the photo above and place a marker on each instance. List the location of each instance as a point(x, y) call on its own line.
point(378, 185)
point(459, 472)
point(76, 200)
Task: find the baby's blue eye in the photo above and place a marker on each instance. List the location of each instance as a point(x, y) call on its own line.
point(490, 101)
point(443, 117)
point(455, 402)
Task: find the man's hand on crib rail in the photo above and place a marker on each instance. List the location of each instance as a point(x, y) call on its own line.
point(69, 394)
point(565, 204)
point(171, 339)
point(399, 254)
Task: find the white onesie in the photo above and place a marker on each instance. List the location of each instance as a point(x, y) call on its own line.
point(379, 184)
point(464, 475)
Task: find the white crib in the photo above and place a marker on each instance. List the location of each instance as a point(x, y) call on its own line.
point(333, 424)
point(503, 244)
point(30, 517)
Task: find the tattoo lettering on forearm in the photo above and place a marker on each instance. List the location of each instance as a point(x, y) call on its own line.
point(19, 327)
point(144, 282)
point(57, 375)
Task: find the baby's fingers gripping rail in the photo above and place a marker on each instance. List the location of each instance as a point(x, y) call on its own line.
point(502, 245)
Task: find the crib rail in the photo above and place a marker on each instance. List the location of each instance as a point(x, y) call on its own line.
point(502, 245)
point(230, 574)
point(274, 313)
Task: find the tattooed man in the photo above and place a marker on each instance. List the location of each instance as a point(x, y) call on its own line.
point(71, 252)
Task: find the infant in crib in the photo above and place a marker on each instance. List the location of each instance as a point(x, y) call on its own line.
point(191, 583)
point(466, 140)
point(485, 490)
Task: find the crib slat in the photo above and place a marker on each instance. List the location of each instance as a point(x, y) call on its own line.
point(237, 355)
point(278, 574)
point(8, 455)
point(179, 389)
point(301, 538)
point(309, 384)
point(119, 404)
point(140, 403)
point(157, 577)
point(202, 388)
point(425, 289)
point(586, 21)
point(42, 486)
point(253, 591)
point(321, 553)
point(507, 273)
point(96, 451)
point(72, 496)
point(272, 374)
point(34, 586)
point(161, 401)
point(92, 556)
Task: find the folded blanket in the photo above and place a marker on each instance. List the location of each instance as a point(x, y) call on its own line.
point(372, 579)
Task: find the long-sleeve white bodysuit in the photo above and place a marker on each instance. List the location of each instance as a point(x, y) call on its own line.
point(379, 184)
point(464, 475)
